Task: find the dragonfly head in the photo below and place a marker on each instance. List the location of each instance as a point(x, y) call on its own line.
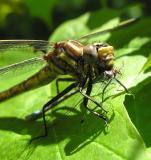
point(106, 55)
point(101, 54)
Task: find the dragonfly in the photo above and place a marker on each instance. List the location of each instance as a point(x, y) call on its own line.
point(85, 64)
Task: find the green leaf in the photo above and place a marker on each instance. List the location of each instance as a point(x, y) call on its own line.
point(128, 134)
point(147, 65)
point(73, 29)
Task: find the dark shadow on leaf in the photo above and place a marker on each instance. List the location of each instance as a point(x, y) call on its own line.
point(19, 126)
point(61, 128)
point(148, 70)
point(139, 109)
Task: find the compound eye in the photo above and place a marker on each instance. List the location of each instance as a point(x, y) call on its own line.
point(100, 45)
point(90, 54)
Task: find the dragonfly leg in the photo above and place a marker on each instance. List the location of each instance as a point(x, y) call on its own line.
point(91, 99)
point(126, 90)
point(85, 99)
point(63, 80)
point(104, 89)
point(98, 115)
point(85, 102)
point(49, 103)
point(38, 114)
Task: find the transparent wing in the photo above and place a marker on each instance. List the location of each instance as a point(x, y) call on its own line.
point(21, 67)
point(36, 45)
point(119, 26)
point(21, 56)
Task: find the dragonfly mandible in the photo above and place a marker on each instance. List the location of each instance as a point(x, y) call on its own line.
point(86, 64)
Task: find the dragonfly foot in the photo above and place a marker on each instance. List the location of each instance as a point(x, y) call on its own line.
point(104, 119)
point(38, 137)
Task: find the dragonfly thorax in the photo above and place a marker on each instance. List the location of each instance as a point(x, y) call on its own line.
point(99, 54)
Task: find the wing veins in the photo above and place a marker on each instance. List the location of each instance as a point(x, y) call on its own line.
point(41, 45)
point(21, 65)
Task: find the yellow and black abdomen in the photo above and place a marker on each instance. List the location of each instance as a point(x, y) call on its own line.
point(42, 77)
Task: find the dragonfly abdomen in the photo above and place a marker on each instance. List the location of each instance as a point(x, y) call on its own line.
point(43, 77)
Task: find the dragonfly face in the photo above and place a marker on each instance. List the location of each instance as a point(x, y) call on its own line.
point(99, 54)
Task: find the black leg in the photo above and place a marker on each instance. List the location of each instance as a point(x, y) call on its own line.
point(126, 90)
point(87, 97)
point(101, 116)
point(38, 114)
point(108, 83)
point(63, 80)
point(56, 98)
point(104, 89)
point(91, 99)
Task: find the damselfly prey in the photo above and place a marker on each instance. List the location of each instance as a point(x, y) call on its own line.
point(85, 64)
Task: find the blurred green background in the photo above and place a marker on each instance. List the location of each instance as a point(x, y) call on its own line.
point(36, 19)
